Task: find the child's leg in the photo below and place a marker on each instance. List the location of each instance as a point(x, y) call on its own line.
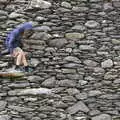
point(24, 60)
point(17, 53)
point(19, 59)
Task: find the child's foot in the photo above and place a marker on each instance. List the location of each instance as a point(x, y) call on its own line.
point(28, 69)
point(18, 69)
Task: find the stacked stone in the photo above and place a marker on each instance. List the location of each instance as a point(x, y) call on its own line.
point(75, 52)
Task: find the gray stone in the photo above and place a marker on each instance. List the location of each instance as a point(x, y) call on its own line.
point(34, 62)
point(40, 19)
point(20, 109)
point(68, 99)
point(94, 112)
point(40, 4)
point(99, 70)
point(80, 9)
point(66, 5)
point(4, 117)
point(117, 81)
point(3, 13)
point(50, 82)
point(116, 42)
point(102, 117)
point(60, 104)
point(4, 64)
point(72, 59)
point(107, 63)
point(91, 24)
point(59, 43)
point(94, 93)
point(67, 71)
point(72, 91)
point(32, 91)
point(67, 83)
point(90, 63)
point(82, 82)
point(78, 27)
point(74, 35)
point(82, 96)
point(15, 15)
point(36, 118)
point(86, 47)
point(3, 18)
point(2, 105)
point(110, 96)
point(79, 106)
point(35, 78)
point(43, 29)
point(41, 36)
point(95, 1)
point(108, 7)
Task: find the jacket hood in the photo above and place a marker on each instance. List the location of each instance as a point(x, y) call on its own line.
point(25, 26)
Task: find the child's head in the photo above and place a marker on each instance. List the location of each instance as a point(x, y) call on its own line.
point(28, 33)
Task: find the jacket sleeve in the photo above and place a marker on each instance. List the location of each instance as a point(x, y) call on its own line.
point(10, 43)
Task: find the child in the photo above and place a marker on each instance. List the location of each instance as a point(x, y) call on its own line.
point(13, 44)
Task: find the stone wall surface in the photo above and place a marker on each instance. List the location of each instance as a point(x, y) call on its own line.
point(76, 54)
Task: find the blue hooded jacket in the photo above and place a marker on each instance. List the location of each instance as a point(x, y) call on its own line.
point(13, 39)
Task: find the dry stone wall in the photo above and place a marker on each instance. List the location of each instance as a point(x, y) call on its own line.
point(76, 54)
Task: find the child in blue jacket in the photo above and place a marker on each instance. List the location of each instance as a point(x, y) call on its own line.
point(13, 44)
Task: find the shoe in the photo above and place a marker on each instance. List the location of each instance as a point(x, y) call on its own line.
point(18, 70)
point(29, 70)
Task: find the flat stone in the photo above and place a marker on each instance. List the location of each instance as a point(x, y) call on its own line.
point(14, 15)
point(20, 109)
point(34, 62)
point(95, 1)
point(90, 63)
point(41, 36)
point(94, 93)
point(73, 91)
point(3, 18)
point(79, 106)
point(86, 47)
point(72, 59)
point(80, 9)
point(117, 81)
point(65, 71)
point(68, 99)
point(116, 41)
point(99, 70)
point(78, 27)
point(83, 82)
point(102, 117)
point(108, 6)
point(91, 24)
point(67, 83)
point(66, 5)
point(43, 29)
point(35, 78)
point(110, 76)
point(50, 82)
point(4, 64)
point(2, 105)
point(59, 43)
point(40, 4)
point(32, 91)
point(4, 117)
point(40, 19)
point(3, 13)
point(74, 35)
point(60, 104)
point(107, 63)
point(82, 96)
